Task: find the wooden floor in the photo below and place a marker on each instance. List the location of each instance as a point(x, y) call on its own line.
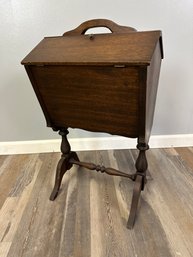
point(88, 219)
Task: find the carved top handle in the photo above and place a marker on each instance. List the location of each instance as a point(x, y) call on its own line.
point(112, 26)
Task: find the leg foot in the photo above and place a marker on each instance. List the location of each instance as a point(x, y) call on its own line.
point(62, 167)
point(140, 180)
point(135, 199)
point(64, 163)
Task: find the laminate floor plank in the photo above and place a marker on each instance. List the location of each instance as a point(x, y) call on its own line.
point(186, 155)
point(89, 216)
point(39, 227)
point(11, 168)
point(167, 196)
point(148, 232)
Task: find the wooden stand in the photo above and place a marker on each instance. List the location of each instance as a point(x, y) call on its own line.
point(69, 158)
point(99, 83)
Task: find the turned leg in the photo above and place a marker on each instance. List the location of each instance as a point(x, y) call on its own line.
point(63, 164)
point(140, 180)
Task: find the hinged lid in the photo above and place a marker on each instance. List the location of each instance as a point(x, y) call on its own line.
point(128, 47)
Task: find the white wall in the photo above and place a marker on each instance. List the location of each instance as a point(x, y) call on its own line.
point(23, 23)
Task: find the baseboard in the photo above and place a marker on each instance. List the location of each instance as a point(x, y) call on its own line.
point(97, 143)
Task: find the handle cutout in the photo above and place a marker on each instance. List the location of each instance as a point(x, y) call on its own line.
point(98, 30)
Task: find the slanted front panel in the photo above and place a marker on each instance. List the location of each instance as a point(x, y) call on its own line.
point(102, 99)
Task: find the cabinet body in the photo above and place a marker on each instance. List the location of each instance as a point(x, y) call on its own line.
point(84, 83)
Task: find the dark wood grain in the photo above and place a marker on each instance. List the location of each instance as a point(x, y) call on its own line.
point(134, 48)
point(102, 169)
point(112, 26)
point(100, 83)
point(91, 98)
point(151, 91)
point(104, 84)
point(64, 162)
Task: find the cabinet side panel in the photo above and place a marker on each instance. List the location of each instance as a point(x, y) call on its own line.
point(152, 85)
point(29, 70)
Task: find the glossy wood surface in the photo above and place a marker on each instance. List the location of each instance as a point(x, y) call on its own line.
point(91, 98)
point(96, 23)
point(100, 49)
point(103, 82)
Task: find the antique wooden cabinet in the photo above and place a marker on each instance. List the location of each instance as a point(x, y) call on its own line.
point(101, 83)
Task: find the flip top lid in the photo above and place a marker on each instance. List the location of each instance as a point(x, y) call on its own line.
point(134, 48)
